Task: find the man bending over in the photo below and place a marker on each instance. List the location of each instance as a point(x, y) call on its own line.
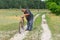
point(29, 18)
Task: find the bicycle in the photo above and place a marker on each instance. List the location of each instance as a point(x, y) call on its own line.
point(21, 24)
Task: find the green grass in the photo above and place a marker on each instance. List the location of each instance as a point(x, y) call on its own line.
point(9, 27)
point(54, 25)
point(9, 19)
point(8, 22)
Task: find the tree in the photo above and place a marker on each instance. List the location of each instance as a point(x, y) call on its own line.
point(21, 3)
point(54, 6)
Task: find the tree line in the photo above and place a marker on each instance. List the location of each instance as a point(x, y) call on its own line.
point(5, 4)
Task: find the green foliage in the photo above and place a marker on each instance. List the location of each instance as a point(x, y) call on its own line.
point(58, 2)
point(58, 10)
point(54, 7)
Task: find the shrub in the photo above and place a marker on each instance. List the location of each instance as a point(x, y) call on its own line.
point(54, 7)
point(58, 10)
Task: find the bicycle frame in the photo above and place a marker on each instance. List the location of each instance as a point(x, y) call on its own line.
point(21, 25)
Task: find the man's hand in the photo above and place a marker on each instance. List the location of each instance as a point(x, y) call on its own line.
point(26, 14)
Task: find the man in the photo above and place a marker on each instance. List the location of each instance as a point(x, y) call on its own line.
point(29, 18)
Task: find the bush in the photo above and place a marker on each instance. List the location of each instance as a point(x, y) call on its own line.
point(54, 7)
point(58, 10)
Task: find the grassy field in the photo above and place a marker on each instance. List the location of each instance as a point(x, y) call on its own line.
point(8, 23)
point(54, 25)
point(9, 19)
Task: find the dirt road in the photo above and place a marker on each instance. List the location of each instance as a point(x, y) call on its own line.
point(46, 34)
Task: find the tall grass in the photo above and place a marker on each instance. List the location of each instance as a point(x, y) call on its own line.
point(9, 20)
point(54, 25)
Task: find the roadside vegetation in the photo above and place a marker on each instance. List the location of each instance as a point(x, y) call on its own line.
point(54, 25)
point(54, 6)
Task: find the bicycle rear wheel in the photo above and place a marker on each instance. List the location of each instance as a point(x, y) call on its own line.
point(21, 26)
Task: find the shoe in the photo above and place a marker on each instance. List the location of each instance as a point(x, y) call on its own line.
point(30, 29)
point(26, 30)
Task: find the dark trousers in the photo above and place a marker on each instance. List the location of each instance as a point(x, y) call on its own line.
point(30, 24)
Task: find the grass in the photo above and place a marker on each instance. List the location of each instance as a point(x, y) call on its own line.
point(9, 19)
point(54, 25)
